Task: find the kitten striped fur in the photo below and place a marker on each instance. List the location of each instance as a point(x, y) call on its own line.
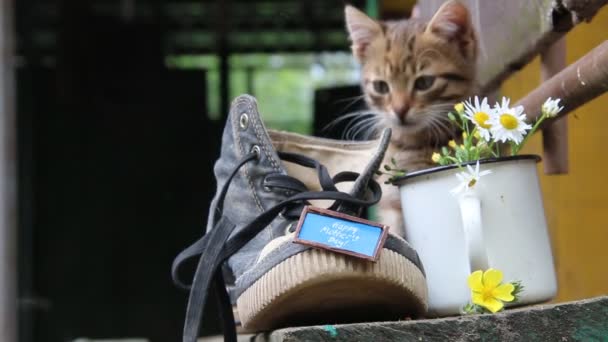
point(413, 72)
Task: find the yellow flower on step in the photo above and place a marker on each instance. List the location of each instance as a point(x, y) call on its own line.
point(435, 157)
point(509, 123)
point(487, 290)
point(480, 113)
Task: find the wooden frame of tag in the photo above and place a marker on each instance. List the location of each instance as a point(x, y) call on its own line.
point(331, 213)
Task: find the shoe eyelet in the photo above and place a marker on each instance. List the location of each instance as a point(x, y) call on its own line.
point(244, 121)
point(256, 149)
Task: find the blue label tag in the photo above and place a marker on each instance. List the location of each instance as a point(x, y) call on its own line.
point(340, 233)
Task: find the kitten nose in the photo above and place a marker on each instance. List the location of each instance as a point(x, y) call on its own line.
point(401, 111)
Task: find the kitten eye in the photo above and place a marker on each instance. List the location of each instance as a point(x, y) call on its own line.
point(424, 82)
point(381, 87)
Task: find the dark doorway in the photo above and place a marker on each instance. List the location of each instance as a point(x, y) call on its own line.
point(116, 149)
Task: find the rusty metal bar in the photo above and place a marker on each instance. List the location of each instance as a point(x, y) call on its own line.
point(579, 83)
point(555, 136)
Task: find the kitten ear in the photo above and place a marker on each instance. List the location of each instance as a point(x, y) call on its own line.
point(362, 30)
point(452, 21)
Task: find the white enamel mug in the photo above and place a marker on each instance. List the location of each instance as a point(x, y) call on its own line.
point(500, 224)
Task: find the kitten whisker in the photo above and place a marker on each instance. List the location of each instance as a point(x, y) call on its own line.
point(351, 100)
point(366, 126)
point(358, 97)
point(353, 131)
point(439, 126)
point(374, 130)
point(361, 113)
point(434, 131)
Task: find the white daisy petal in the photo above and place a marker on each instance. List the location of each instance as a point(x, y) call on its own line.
point(509, 123)
point(470, 169)
point(467, 177)
point(479, 113)
point(551, 107)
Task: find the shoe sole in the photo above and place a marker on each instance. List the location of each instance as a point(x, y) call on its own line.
point(321, 287)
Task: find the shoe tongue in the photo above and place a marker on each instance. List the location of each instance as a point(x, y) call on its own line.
point(360, 186)
point(250, 133)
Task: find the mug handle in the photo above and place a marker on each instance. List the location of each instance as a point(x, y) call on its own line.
point(470, 211)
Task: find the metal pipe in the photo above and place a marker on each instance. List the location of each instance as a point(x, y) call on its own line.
point(579, 83)
point(555, 136)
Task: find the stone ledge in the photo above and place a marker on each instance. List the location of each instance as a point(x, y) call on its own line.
point(585, 320)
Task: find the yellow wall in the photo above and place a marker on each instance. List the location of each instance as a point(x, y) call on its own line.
point(576, 205)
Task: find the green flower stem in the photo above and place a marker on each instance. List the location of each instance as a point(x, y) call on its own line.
point(530, 133)
point(458, 120)
point(456, 161)
point(469, 139)
point(491, 149)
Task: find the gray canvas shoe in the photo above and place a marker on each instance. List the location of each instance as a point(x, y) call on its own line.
point(264, 179)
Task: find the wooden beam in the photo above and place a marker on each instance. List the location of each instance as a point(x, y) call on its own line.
point(8, 179)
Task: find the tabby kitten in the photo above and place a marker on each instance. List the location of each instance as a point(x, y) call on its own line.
point(413, 72)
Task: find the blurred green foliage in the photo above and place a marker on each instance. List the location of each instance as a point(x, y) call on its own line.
point(284, 84)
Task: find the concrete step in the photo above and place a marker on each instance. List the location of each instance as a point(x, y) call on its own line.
point(585, 320)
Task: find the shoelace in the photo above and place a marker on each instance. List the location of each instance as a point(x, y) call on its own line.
point(215, 246)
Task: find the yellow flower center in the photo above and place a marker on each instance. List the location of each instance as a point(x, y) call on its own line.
point(508, 121)
point(487, 294)
point(481, 118)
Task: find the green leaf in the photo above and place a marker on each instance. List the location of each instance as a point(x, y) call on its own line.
point(518, 289)
point(387, 168)
point(462, 155)
point(472, 309)
point(393, 161)
point(451, 116)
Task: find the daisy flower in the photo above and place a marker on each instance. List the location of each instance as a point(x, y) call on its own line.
point(480, 114)
point(551, 108)
point(468, 179)
point(509, 123)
